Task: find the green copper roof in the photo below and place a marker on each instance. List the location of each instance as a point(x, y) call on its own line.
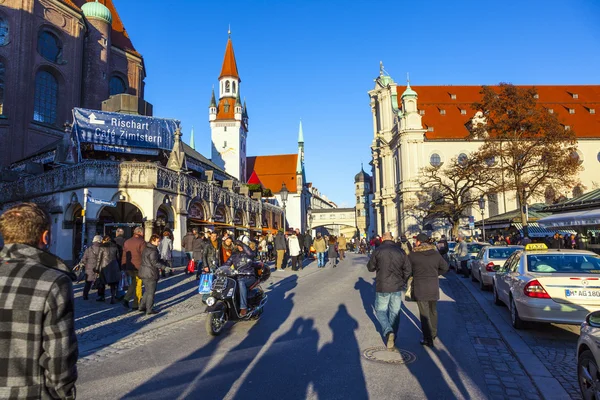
point(97, 10)
point(300, 134)
point(409, 91)
point(213, 101)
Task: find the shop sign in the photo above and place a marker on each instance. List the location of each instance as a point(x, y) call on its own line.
point(124, 130)
point(125, 150)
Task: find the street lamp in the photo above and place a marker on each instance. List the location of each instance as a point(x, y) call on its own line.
point(283, 193)
point(482, 209)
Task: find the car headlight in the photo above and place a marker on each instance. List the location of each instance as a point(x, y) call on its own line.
point(210, 301)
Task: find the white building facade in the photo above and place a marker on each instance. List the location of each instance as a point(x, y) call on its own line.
point(417, 127)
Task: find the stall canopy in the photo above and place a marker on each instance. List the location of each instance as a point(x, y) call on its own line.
point(576, 218)
point(535, 230)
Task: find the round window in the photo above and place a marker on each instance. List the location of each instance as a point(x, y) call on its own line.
point(462, 158)
point(491, 161)
point(435, 160)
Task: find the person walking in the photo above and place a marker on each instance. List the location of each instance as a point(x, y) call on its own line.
point(392, 268)
point(342, 246)
point(149, 270)
point(38, 345)
point(443, 248)
point(320, 248)
point(90, 262)
point(301, 256)
point(188, 243)
point(462, 254)
point(405, 244)
point(427, 266)
point(294, 246)
point(332, 253)
point(280, 248)
point(308, 242)
point(120, 241)
point(165, 249)
point(109, 269)
point(211, 257)
point(198, 244)
point(262, 248)
point(132, 259)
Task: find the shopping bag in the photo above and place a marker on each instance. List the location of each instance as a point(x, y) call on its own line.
point(408, 295)
point(123, 281)
point(206, 281)
point(191, 267)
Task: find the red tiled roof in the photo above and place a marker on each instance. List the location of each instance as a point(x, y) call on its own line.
point(229, 65)
point(254, 180)
point(452, 125)
point(119, 36)
point(229, 114)
point(274, 170)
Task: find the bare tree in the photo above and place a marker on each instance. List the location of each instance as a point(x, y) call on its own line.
point(450, 191)
point(532, 149)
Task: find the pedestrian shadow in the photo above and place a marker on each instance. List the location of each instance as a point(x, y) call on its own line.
point(367, 295)
point(215, 383)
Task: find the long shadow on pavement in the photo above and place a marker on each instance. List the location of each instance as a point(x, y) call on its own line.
point(214, 384)
point(367, 295)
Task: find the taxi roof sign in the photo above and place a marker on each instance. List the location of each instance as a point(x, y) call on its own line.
point(536, 246)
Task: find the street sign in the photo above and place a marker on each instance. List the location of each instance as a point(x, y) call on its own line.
point(102, 202)
point(123, 130)
point(471, 219)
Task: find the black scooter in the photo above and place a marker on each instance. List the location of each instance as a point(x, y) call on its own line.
point(223, 303)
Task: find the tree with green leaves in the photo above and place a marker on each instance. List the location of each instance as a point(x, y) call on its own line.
point(532, 150)
point(450, 191)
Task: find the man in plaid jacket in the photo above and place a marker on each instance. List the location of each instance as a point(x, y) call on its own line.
point(38, 346)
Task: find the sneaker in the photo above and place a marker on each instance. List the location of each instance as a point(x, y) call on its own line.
point(390, 340)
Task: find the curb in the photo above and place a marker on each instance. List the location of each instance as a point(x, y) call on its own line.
point(547, 385)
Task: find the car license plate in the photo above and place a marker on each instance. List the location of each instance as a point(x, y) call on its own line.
point(582, 294)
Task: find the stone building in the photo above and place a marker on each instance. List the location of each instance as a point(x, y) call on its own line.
point(56, 55)
point(364, 204)
point(428, 125)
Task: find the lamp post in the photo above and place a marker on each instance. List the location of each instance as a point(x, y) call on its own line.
point(283, 193)
point(482, 209)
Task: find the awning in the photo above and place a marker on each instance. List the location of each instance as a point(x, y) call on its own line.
point(535, 230)
point(576, 218)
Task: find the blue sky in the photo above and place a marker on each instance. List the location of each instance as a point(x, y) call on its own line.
point(316, 60)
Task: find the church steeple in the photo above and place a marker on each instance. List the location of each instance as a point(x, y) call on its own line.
point(229, 79)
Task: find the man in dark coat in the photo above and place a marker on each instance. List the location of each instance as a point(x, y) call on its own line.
point(211, 257)
point(242, 261)
point(197, 250)
point(556, 242)
point(307, 243)
point(427, 266)
point(149, 272)
point(393, 269)
point(38, 346)
point(280, 247)
point(188, 243)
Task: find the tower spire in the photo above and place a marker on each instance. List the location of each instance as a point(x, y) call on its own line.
point(192, 142)
point(300, 133)
point(229, 64)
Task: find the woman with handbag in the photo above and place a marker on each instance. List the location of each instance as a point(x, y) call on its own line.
point(108, 269)
point(90, 261)
point(165, 249)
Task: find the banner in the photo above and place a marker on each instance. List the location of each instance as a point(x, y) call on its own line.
point(115, 129)
point(102, 202)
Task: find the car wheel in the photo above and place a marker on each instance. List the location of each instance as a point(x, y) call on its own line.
point(588, 376)
point(482, 286)
point(517, 322)
point(497, 300)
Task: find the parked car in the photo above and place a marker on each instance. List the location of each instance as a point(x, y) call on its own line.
point(553, 286)
point(588, 356)
point(488, 261)
point(474, 248)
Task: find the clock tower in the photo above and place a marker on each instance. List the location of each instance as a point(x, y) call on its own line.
point(229, 120)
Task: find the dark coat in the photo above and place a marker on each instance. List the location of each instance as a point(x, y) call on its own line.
point(280, 243)
point(132, 253)
point(108, 263)
point(427, 266)
point(556, 243)
point(120, 242)
point(198, 248)
point(39, 357)
point(392, 266)
point(307, 241)
point(188, 242)
point(242, 260)
point(211, 257)
point(151, 263)
point(331, 251)
point(90, 261)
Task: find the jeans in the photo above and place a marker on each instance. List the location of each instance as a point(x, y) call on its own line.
point(189, 255)
point(387, 310)
point(147, 301)
point(321, 259)
point(429, 319)
point(244, 283)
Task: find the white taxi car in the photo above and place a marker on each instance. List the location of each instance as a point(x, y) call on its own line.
point(488, 261)
point(554, 286)
point(588, 355)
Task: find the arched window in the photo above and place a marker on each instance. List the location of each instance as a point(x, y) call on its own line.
point(46, 98)
point(2, 73)
point(116, 85)
point(435, 160)
point(49, 46)
point(233, 87)
point(462, 159)
point(3, 31)
point(227, 86)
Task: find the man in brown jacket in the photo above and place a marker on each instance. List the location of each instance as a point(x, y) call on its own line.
point(132, 260)
point(342, 246)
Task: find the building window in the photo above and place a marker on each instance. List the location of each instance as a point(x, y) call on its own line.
point(576, 156)
point(575, 95)
point(430, 129)
point(442, 112)
point(2, 73)
point(551, 111)
point(462, 159)
point(598, 157)
point(571, 111)
point(463, 112)
point(453, 96)
point(435, 160)
point(117, 85)
point(490, 161)
point(46, 98)
point(536, 96)
point(49, 46)
point(592, 111)
point(233, 87)
point(3, 31)
point(227, 87)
